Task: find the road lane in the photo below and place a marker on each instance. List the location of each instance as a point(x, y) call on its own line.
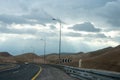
point(38, 73)
point(4, 67)
point(51, 73)
point(24, 72)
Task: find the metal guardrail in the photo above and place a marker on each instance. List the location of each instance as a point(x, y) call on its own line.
point(89, 74)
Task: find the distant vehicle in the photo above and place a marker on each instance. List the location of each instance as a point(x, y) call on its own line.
point(26, 62)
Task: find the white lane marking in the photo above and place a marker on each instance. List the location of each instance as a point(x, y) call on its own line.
point(11, 68)
point(15, 72)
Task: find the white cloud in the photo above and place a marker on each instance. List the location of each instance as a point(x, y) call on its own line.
point(95, 22)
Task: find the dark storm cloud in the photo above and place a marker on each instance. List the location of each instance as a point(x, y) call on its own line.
point(86, 26)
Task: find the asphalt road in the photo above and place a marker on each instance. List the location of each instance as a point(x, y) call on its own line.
point(3, 64)
point(23, 72)
point(51, 73)
point(28, 71)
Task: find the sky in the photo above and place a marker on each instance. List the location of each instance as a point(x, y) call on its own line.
point(86, 25)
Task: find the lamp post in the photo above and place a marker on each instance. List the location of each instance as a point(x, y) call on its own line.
point(44, 40)
point(59, 38)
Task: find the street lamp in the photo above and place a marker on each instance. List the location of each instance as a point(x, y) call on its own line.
point(44, 40)
point(59, 38)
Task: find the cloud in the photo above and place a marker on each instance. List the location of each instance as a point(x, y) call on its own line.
point(73, 34)
point(86, 26)
point(90, 35)
point(98, 35)
point(102, 14)
point(9, 19)
point(39, 15)
point(10, 29)
point(37, 18)
point(52, 27)
point(110, 12)
point(23, 29)
point(41, 12)
point(35, 10)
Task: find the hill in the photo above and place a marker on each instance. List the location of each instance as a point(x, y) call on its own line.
point(105, 59)
point(6, 57)
point(54, 58)
point(109, 60)
point(5, 54)
point(99, 52)
point(86, 56)
point(29, 57)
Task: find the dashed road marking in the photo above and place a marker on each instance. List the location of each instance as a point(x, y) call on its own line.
point(15, 72)
point(10, 68)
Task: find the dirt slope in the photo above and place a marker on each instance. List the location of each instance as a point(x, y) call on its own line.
point(109, 60)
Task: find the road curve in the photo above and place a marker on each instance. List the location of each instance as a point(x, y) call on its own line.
point(51, 73)
point(24, 72)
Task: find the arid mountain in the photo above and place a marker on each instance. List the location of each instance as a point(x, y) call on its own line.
point(98, 52)
point(83, 56)
point(109, 60)
point(6, 57)
point(5, 54)
point(88, 55)
point(26, 57)
point(106, 59)
point(29, 57)
point(54, 58)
